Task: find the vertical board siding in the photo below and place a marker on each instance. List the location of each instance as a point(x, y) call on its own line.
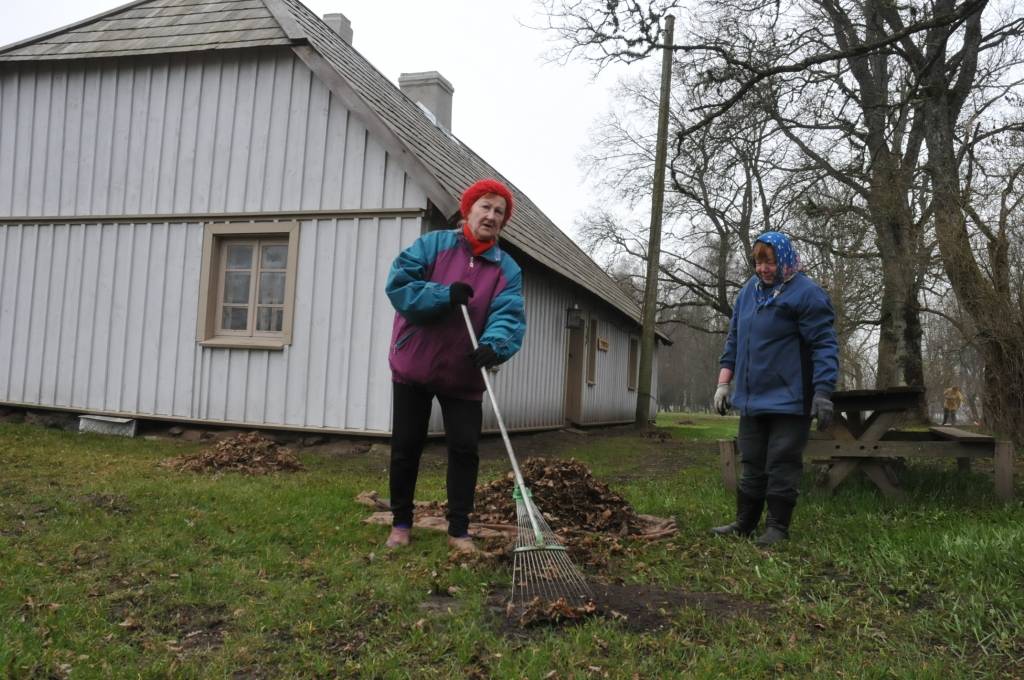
point(241, 131)
point(609, 399)
point(98, 310)
point(335, 374)
point(120, 337)
point(530, 387)
point(103, 317)
point(114, 308)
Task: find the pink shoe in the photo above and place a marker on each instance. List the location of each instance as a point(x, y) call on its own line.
point(398, 537)
point(463, 545)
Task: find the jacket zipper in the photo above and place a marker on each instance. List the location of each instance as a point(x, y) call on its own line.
point(746, 349)
point(404, 339)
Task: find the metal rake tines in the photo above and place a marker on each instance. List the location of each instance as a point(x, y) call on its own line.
point(543, 569)
point(547, 574)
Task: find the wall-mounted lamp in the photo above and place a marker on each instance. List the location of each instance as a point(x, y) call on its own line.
point(574, 317)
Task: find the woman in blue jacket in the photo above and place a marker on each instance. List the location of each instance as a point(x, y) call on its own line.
point(782, 352)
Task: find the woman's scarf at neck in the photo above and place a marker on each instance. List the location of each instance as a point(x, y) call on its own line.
point(476, 245)
point(787, 265)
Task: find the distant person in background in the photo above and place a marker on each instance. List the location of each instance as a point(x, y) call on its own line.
point(952, 399)
point(783, 352)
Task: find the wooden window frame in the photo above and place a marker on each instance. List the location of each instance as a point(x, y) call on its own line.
point(632, 378)
point(592, 328)
point(208, 332)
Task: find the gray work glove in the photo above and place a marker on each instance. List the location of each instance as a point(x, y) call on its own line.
point(722, 403)
point(822, 409)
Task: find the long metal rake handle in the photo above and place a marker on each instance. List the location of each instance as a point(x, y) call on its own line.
point(531, 509)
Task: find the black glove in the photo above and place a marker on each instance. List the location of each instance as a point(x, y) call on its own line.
point(484, 357)
point(459, 293)
point(821, 408)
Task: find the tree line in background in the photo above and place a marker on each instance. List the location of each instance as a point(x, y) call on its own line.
point(886, 138)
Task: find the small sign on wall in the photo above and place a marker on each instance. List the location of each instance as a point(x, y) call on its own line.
point(602, 344)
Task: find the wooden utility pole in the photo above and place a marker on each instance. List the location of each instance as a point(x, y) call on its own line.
point(643, 392)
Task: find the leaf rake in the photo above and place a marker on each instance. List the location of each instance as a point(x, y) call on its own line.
point(541, 567)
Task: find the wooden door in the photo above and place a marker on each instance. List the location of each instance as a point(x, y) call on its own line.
point(574, 377)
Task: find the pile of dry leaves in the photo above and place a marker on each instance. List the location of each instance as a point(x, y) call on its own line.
point(249, 453)
point(566, 493)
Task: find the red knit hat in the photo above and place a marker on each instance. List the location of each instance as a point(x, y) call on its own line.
point(482, 188)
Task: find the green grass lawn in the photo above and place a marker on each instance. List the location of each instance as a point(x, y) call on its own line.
point(114, 567)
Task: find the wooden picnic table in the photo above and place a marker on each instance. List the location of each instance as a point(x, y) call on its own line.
point(862, 437)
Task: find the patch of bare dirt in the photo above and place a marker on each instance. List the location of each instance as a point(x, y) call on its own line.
point(249, 453)
point(182, 629)
point(638, 608)
point(112, 503)
point(194, 628)
point(347, 644)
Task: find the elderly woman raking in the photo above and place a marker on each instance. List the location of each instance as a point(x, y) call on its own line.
point(432, 354)
point(781, 355)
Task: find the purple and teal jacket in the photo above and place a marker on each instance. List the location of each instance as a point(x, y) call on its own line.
point(429, 342)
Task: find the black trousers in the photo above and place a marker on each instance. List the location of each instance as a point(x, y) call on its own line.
point(772, 455)
point(949, 416)
point(462, 423)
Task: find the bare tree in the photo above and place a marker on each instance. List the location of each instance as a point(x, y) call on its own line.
point(904, 74)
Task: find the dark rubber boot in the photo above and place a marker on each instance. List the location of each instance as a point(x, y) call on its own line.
point(780, 512)
point(748, 514)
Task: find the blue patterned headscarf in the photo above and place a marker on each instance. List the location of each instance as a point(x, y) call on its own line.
point(786, 257)
point(787, 262)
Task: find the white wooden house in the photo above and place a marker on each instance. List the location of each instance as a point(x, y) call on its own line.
point(199, 203)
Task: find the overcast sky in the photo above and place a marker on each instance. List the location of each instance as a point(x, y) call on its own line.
point(527, 118)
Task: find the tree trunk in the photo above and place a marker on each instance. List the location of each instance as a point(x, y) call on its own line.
point(1003, 401)
point(891, 331)
point(913, 359)
point(1000, 326)
point(899, 243)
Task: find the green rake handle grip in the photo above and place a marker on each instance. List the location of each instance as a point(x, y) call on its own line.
point(524, 493)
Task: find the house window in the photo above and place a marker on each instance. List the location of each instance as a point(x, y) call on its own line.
point(248, 285)
point(634, 363)
point(592, 353)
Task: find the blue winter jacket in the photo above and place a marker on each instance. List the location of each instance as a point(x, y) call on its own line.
point(783, 351)
point(429, 342)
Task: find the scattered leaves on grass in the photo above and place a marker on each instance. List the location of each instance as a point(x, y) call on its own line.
point(31, 604)
point(249, 453)
point(540, 612)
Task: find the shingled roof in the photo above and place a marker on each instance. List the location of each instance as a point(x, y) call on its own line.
point(159, 26)
point(156, 27)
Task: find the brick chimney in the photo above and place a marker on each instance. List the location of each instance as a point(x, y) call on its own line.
point(433, 92)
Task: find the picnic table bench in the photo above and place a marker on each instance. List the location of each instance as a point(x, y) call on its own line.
point(862, 437)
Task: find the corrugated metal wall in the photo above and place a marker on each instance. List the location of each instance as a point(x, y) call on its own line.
point(102, 317)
